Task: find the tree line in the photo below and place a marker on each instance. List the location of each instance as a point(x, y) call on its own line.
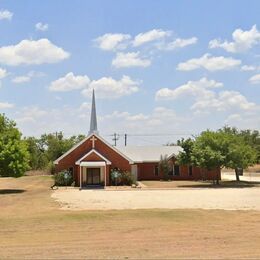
point(227, 147)
point(18, 155)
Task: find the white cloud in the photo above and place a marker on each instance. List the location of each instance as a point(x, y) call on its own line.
point(3, 73)
point(178, 43)
point(21, 79)
point(41, 27)
point(210, 63)
point(225, 100)
point(30, 114)
point(6, 15)
point(197, 89)
point(28, 77)
point(69, 82)
point(255, 79)
point(149, 36)
point(32, 52)
point(249, 68)
point(242, 41)
point(108, 87)
point(206, 98)
point(85, 106)
point(112, 41)
point(6, 105)
point(130, 59)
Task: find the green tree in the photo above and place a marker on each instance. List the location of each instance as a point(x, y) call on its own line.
point(240, 154)
point(164, 166)
point(209, 150)
point(13, 150)
point(38, 159)
point(184, 157)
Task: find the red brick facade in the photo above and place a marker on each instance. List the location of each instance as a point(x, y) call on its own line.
point(146, 171)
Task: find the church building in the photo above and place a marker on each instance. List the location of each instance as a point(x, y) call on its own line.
point(91, 160)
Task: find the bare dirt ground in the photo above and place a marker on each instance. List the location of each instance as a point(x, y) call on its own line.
point(225, 198)
point(32, 226)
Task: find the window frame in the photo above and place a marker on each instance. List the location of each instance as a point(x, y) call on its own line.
point(179, 170)
point(156, 170)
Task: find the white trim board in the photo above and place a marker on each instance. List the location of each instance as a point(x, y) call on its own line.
point(84, 140)
point(78, 162)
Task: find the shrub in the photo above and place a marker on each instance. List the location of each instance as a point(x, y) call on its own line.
point(164, 167)
point(63, 178)
point(127, 178)
point(120, 178)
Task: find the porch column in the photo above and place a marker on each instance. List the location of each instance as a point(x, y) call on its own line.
point(80, 178)
point(105, 175)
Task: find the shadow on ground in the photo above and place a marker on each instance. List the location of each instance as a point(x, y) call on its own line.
point(11, 191)
point(230, 184)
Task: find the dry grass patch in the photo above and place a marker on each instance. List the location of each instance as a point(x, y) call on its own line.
point(32, 226)
point(199, 184)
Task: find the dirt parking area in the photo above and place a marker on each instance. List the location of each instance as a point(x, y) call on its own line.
point(222, 198)
point(32, 226)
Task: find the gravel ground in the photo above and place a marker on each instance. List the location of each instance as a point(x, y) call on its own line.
point(219, 198)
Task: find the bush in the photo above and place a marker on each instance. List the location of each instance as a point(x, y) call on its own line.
point(120, 178)
point(50, 168)
point(63, 178)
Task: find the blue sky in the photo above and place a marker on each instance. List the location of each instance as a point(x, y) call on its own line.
point(158, 67)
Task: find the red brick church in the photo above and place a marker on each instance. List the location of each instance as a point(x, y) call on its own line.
point(91, 160)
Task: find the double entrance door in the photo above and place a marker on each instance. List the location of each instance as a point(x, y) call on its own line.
point(93, 176)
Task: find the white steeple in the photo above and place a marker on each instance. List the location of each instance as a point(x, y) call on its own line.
point(93, 118)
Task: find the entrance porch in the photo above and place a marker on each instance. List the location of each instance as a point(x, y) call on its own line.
point(93, 174)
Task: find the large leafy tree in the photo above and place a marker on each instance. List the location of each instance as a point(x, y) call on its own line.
point(240, 154)
point(13, 150)
point(209, 150)
point(226, 147)
point(184, 157)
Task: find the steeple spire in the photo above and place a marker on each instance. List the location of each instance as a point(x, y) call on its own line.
point(93, 118)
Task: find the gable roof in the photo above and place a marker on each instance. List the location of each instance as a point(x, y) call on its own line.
point(97, 153)
point(139, 154)
point(84, 140)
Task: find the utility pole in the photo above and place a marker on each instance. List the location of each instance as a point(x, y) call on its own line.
point(125, 139)
point(116, 137)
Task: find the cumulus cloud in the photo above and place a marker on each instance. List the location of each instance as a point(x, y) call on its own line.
point(6, 105)
point(178, 43)
point(255, 79)
point(112, 41)
point(150, 36)
point(6, 15)
point(130, 59)
point(108, 87)
point(69, 82)
point(28, 77)
point(105, 87)
point(242, 41)
point(224, 100)
point(210, 63)
point(3, 73)
point(30, 114)
point(32, 52)
point(205, 96)
point(197, 89)
point(249, 68)
point(21, 79)
point(41, 27)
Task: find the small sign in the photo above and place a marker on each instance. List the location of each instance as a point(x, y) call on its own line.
point(66, 175)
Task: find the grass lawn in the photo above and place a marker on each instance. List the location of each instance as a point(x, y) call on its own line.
point(33, 226)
